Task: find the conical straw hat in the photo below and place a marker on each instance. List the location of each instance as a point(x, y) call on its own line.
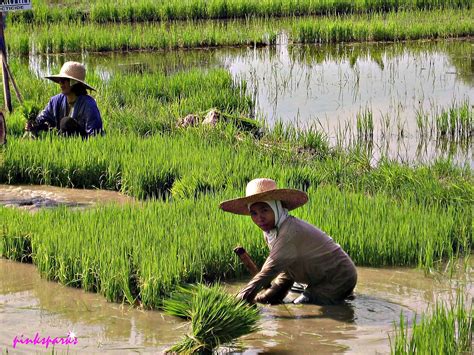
point(71, 70)
point(263, 189)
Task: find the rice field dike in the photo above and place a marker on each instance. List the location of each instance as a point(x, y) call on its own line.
point(149, 10)
point(23, 38)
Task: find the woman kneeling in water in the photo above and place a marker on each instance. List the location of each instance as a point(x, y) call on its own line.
point(299, 252)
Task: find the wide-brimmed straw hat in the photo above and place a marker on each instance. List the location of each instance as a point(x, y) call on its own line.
point(71, 70)
point(263, 189)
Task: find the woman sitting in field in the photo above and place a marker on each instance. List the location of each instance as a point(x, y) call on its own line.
point(299, 252)
point(72, 111)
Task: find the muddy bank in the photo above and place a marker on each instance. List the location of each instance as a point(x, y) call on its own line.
point(29, 304)
point(34, 197)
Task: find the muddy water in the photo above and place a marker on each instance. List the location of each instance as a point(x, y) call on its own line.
point(328, 86)
point(33, 197)
point(29, 304)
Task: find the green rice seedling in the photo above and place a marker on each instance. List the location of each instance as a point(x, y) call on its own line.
point(387, 27)
point(448, 329)
point(397, 26)
point(455, 123)
point(29, 110)
point(216, 317)
point(150, 167)
point(148, 10)
point(365, 125)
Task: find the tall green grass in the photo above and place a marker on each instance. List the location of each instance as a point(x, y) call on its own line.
point(197, 161)
point(141, 252)
point(149, 10)
point(77, 37)
point(398, 26)
point(447, 330)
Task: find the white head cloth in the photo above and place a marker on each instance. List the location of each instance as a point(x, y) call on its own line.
point(281, 214)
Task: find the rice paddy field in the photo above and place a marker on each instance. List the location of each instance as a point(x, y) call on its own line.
point(314, 94)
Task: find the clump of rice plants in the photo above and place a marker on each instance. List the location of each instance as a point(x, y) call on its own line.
point(216, 317)
point(397, 26)
point(456, 123)
point(447, 330)
point(29, 110)
point(365, 125)
point(150, 10)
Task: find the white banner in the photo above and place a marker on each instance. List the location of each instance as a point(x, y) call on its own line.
point(14, 5)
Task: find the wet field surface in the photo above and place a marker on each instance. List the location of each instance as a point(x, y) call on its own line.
point(34, 197)
point(29, 304)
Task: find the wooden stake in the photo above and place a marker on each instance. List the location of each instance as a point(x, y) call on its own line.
point(6, 84)
point(12, 79)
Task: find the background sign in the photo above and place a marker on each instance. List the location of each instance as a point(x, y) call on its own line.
point(14, 5)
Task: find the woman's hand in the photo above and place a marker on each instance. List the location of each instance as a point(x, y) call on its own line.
point(28, 126)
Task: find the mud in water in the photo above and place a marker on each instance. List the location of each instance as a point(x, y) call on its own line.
point(30, 305)
point(34, 197)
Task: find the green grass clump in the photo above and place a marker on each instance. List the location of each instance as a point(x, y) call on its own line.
point(447, 330)
point(216, 317)
point(201, 160)
point(396, 26)
point(456, 123)
point(45, 11)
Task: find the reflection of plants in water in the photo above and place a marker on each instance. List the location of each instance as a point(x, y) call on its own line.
point(447, 329)
point(365, 125)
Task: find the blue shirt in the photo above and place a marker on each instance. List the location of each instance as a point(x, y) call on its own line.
point(85, 113)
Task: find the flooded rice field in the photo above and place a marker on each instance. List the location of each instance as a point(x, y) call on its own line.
point(34, 197)
point(29, 304)
point(395, 85)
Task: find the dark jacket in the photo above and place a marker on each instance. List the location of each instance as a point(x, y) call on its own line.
point(85, 113)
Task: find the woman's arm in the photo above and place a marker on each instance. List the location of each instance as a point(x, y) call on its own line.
point(282, 255)
point(46, 117)
point(280, 288)
point(92, 118)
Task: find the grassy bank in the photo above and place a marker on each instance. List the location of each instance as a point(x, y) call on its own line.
point(141, 252)
point(45, 11)
point(76, 37)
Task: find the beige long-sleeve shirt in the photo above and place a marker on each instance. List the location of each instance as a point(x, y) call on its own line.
point(303, 253)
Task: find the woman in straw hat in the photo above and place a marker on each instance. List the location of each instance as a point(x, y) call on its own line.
point(72, 111)
point(299, 252)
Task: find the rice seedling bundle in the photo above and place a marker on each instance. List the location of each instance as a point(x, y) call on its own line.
point(216, 318)
point(140, 253)
point(148, 10)
point(75, 37)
